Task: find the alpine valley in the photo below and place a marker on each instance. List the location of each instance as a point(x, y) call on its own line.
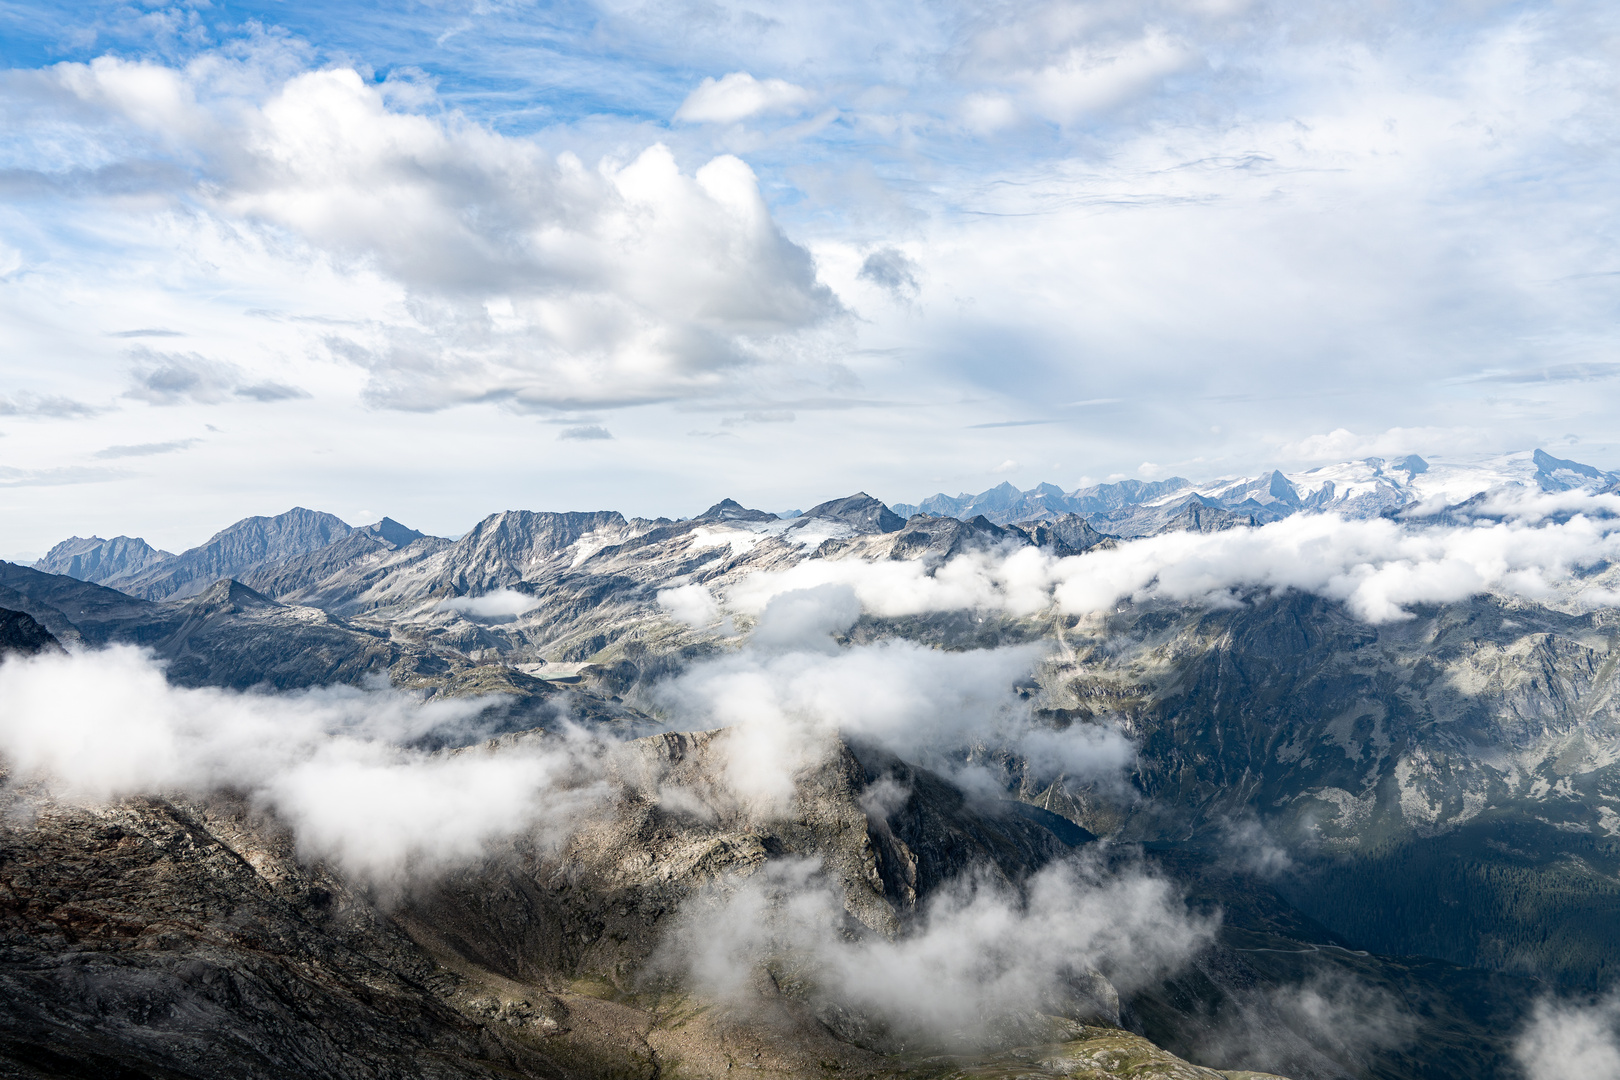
point(1307, 775)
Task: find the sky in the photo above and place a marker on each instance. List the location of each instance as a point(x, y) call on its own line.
point(437, 260)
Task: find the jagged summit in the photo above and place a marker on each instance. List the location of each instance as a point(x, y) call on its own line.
point(105, 562)
point(230, 596)
point(236, 550)
point(1065, 532)
point(1561, 474)
point(1363, 488)
point(860, 512)
point(391, 532)
point(731, 510)
point(20, 633)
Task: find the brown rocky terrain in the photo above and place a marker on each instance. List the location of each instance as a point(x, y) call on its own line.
point(181, 937)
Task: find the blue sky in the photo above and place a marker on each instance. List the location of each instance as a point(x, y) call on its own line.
point(435, 260)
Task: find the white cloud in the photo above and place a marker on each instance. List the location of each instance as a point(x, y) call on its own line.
point(1570, 1039)
point(1089, 78)
point(981, 955)
point(1341, 444)
point(166, 378)
point(792, 690)
point(501, 602)
point(105, 724)
point(738, 96)
point(1377, 568)
point(692, 605)
point(630, 281)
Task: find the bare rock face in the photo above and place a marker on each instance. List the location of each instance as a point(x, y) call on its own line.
point(676, 828)
point(19, 633)
point(234, 551)
point(105, 562)
point(861, 512)
point(162, 938)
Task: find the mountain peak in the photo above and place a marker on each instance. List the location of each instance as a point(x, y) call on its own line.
point(392, 532)
point(732, 510)
point(228, 595)
point(860, 512)
point(103, 562)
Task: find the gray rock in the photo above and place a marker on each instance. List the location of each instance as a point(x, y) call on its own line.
point(19, 633)
point(245, 546)
point(105, 562)
point(860, 512)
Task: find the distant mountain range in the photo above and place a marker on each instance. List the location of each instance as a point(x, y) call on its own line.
point(296, 551)
point(135, 567)
point(1366, 488)
point(1434, 787)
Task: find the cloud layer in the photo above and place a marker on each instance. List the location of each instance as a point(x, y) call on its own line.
point(330, 762)
point(1239, 232)
point(981, 957)
point(524, 276)
point(1571, 1038)
point(792, 689)
point(1531, 546)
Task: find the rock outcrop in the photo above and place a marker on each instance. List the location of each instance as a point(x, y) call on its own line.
point(104, 562)
point(232, 552)
point(176, 939)
point(19, 633)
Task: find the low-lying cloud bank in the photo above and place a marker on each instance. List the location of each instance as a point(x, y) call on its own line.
point(1570, 1038)
point(331, 762)
point(982, 956)
point(790, 690)
point(1535, 547)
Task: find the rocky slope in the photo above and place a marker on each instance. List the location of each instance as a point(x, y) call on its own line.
point(104, 562)
point(19, 633)
point(1352, 796)
point(232, 636)
point(171, 938)
point(1472, 749)
point(233, 552)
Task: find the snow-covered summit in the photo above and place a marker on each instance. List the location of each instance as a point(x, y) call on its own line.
point(1364, 488)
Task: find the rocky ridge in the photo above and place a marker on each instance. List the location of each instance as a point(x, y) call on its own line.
point(1339, 763)
point(186, 938)
point(1367, 488)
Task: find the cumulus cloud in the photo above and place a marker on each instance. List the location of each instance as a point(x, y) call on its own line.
point(586, 433)
point(492, 605)
point(792, 689)
point(523, 276)
point(693, 605)
point(1571, 1038)
point(330, 762)
point(892, 270)
point(738, 96)
point(979, 967)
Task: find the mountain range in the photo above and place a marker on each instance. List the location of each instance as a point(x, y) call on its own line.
point(1414, 818)
point(1367, 488)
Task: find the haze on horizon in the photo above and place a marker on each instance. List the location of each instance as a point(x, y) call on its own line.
point(438, 262)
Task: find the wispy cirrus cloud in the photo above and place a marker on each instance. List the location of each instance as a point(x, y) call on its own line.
point(51, 406)
point(147, 449)
point(166, 378)
point(62, 476)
